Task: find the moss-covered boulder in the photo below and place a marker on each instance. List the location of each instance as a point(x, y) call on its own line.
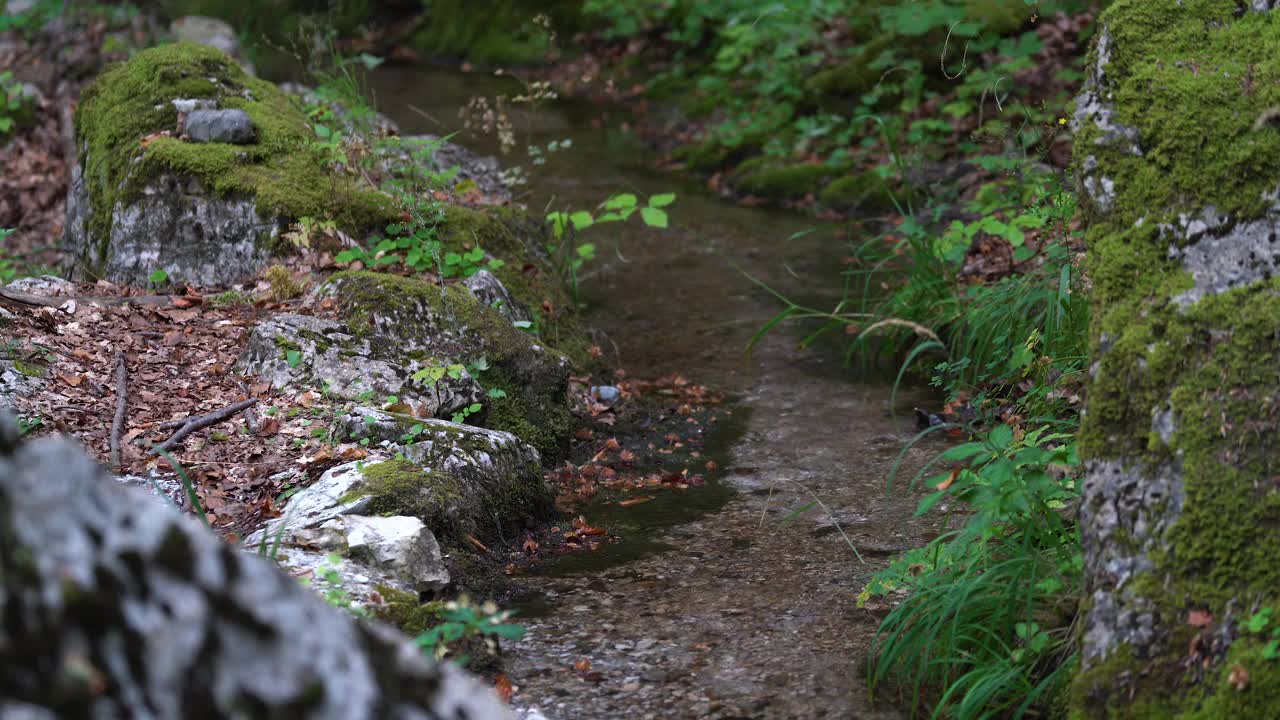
point(763, 177)
point(144, 197)
point(867, 191)
point(301, 352)
point(1177, 152)
point(527, 382)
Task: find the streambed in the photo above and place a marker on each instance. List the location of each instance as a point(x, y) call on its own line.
point(720, 603)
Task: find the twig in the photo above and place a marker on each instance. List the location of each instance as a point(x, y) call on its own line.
point(122, 402)
point(190, 425)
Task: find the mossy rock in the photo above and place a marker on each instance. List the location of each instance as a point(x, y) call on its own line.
point(449, 323)
point(461, 483)
point(780, 182)
point(999, 17)
point(852, 77)
point(210, 213)
point(864, 191)
point(1178, 164)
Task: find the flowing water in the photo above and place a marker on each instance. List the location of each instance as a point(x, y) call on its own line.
point(718, 603)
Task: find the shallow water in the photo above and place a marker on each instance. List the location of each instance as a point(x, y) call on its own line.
point(717, 603)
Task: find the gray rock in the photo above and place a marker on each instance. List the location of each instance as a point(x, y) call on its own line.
point(352, 367)
point(490, 291)
point(15, 384)
point(607, 394)
point(432, 154)
point(177, 225)
point(44, 286)
point(212, 32)
point(224, 126)
point(473, 480)
point(114, 606)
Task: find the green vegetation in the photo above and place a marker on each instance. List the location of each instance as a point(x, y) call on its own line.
point(816, 90)
point(569, 255)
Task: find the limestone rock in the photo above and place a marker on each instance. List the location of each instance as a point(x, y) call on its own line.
point(212, 32)
point(143, 199)
point(448, 323)
point(490, 292)
point(330, 354)
point(115, 606)
point(455, 478)
point(44, 286)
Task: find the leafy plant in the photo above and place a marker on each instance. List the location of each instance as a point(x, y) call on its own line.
point(571, 256)
point(461, 621)
point(158, 277)
point(985, 621)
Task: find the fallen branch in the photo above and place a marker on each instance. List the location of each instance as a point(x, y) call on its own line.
point(190, 425)
point(122, 401)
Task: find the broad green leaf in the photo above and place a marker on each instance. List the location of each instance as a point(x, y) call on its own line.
point(662, 200)
point(654, 217)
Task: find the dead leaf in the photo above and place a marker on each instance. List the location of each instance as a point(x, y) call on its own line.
point(72, 380)
point(502, 686)
point(635, 501)
point(1238, 677)
point(950, 479)
point(477, 543)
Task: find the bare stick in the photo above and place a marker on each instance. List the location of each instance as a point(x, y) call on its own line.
point(201, 421)
point(122, 402)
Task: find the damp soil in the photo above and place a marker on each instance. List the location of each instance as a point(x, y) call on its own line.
point(735, 598)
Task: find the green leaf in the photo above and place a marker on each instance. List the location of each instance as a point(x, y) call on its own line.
point(1001, 437)
point(496, 393)
point(662, 200)
point(293, 357)
point(929, 501)
point(158, 276)
point(654, 217)
point(620, 202)
point(581, 220)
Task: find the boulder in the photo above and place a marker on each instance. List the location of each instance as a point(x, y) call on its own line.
point(526, 382)
point(114, 605)
point(332, 356)
point(142, 198)
point(1177, 156)
point(212, 32)
point(432, 154)
point(457, 479)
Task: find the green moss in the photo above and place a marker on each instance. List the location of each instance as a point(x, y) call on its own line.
point(536, 406)
point(30, 369)
point(781, 182)
point(866, 190)
point(405, 611)
point(1192, 78)
point(399, 487)
point(282, 170)
point(852, 77)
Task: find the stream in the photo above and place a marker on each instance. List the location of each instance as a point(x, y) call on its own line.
point(720, 603)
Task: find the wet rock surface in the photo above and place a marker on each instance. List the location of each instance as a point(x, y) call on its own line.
point(224, 126)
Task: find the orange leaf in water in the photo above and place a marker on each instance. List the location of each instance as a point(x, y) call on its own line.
point(502, 686)
point(477, 543)
point(530, 546)
point(582, 665)
point(636, 501)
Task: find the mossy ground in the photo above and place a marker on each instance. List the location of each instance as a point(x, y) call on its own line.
point(1193, 78)
point(282, 170)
